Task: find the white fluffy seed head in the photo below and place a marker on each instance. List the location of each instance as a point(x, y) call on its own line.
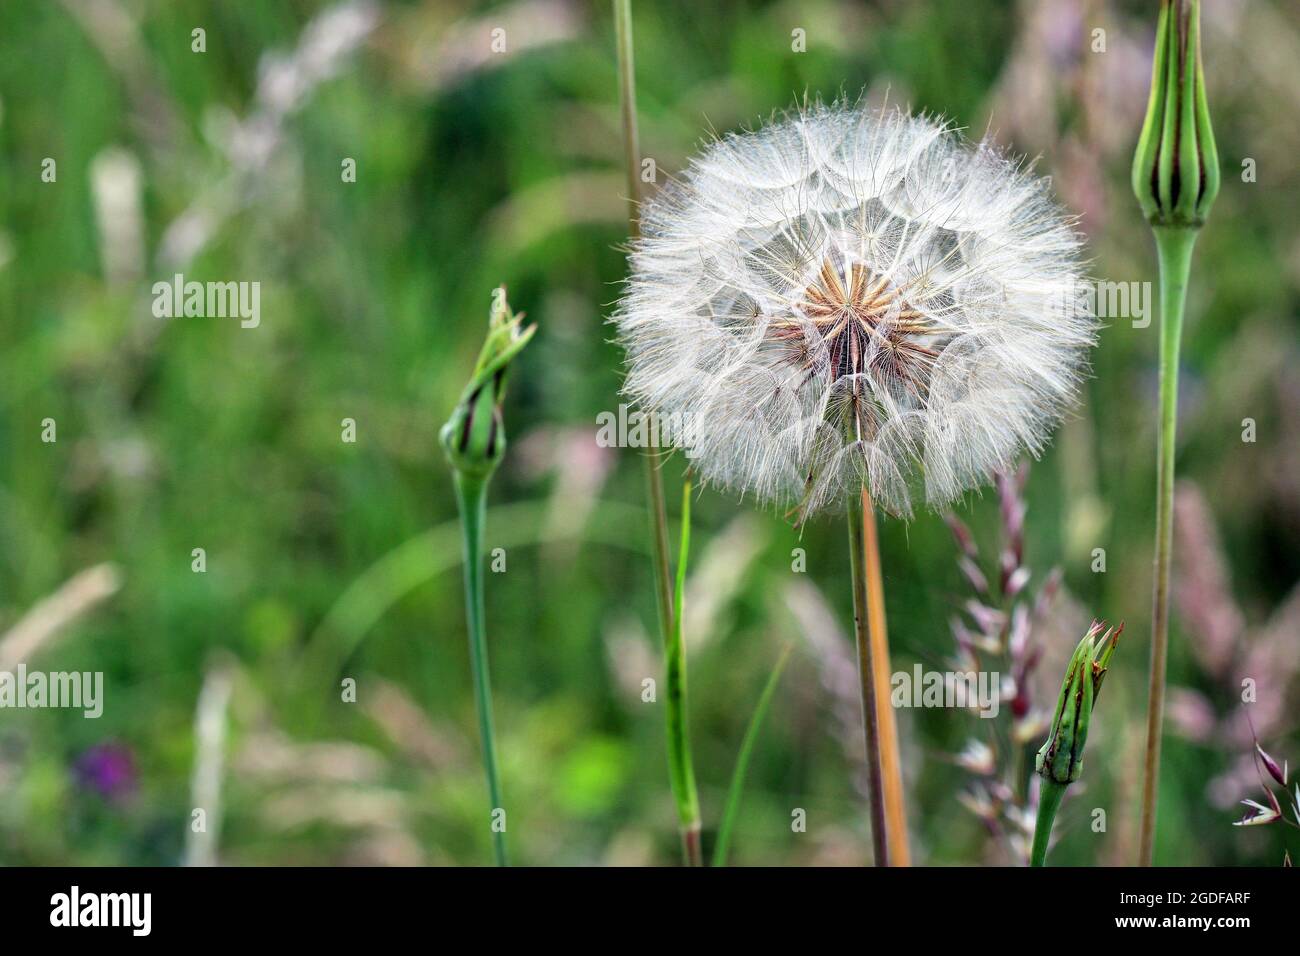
point(849, 297)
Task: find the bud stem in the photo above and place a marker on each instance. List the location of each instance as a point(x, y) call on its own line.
point(1174, 253)
point(471, 496)
point(1049, 799)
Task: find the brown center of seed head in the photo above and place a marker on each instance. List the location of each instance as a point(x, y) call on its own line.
point(861, 326)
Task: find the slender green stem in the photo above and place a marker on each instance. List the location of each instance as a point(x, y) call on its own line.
point(471, 495)
point(1174, 252)
point(654, 480)
point(1049, 799)
point(870, 724)
point(681, 771)
point(659, 543)
point(737, 787)
point(627, 106)
point(632, 160)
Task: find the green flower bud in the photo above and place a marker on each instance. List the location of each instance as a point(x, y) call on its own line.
point(1176, 167)
point(474, 437)
point(1061, 757)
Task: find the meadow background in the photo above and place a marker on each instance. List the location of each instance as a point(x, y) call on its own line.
point(329, 560)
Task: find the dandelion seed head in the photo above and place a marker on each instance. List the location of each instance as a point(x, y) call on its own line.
point(851, 296)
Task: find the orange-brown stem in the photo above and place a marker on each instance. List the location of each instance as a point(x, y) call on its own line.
point(866, 676)
point(890, 762)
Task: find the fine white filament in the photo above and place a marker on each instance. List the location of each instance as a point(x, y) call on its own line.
point(851, 296)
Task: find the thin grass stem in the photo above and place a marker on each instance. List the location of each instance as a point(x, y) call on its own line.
point(691, 849)
point(732, 810)
point(680, 768)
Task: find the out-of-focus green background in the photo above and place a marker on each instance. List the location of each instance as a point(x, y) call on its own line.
point(328, 560)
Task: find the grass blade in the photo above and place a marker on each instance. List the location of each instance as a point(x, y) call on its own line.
point(737, 786)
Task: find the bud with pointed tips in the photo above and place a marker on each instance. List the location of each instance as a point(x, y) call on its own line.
point(474, 436)
point(1271, 765)
point(474, 439)
point(1061, 757)
point(1176, 166)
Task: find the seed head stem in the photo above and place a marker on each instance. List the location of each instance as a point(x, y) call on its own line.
point(866, 674)
point(890, 760)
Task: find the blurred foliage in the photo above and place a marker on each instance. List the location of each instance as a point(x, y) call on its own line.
point(476, 168)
